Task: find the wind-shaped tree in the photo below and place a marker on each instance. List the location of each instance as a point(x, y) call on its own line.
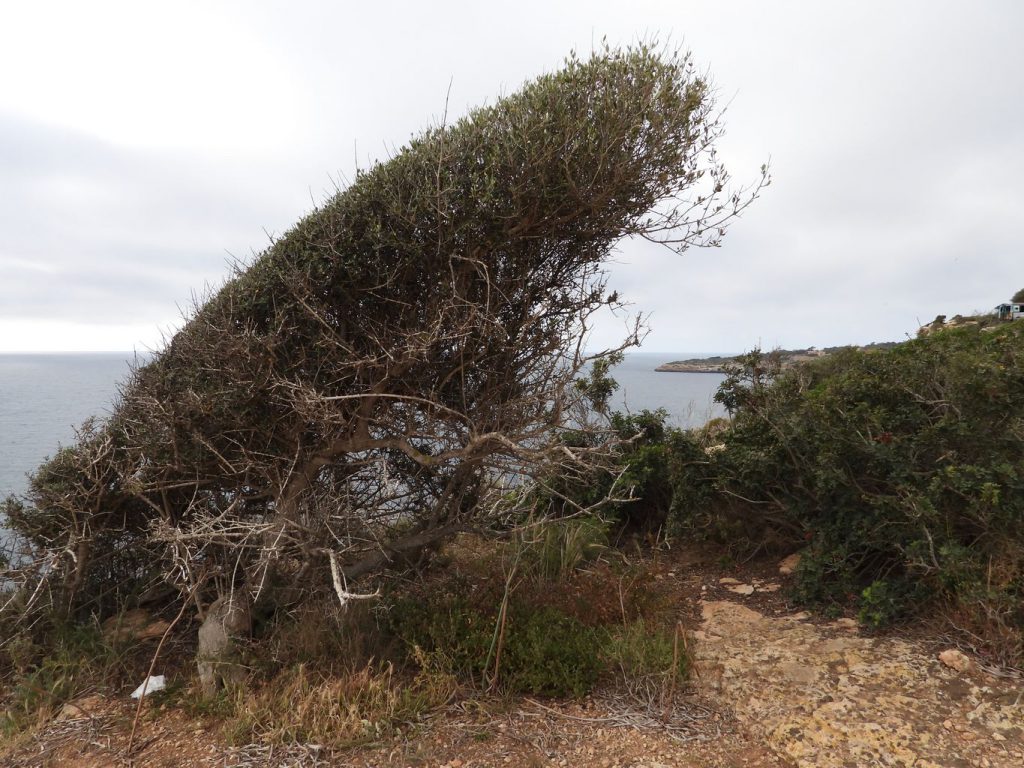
point(402, 358)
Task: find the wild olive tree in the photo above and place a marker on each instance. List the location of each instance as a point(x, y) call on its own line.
point(399, 364)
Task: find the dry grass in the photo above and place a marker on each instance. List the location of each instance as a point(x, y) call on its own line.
point(305, 707)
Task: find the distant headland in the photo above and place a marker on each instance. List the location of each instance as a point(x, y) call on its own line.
point(789, 357)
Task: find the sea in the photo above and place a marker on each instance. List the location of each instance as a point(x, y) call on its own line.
point(44, 398)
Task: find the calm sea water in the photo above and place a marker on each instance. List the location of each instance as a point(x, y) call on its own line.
point(44, 397)
point(688, 397)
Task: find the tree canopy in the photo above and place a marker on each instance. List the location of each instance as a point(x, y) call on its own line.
point(399, 360)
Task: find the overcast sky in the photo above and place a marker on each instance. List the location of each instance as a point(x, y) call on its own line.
point(141, 143)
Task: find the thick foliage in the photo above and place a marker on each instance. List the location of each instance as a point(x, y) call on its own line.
point(354, 393)
point(499, 618)
point(653, 470)
point(902, 469)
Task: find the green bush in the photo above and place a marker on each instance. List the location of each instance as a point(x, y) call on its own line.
point(496, 617)
point(543, 650)
point(656, 471)
point(636, 651)
point(901, 470)
point(550, 653)
point(39, 678)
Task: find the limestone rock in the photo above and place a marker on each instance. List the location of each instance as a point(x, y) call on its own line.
point(955, 659)
point(135, 624)
point(87, 706)
point(227, 619)
point(742, 589)
point(824, 697)
point(789, 564)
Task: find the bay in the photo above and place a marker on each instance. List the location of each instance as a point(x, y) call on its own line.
point(688, 397)
point(45, 397)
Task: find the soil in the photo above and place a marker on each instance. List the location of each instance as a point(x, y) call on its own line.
point(772, 687)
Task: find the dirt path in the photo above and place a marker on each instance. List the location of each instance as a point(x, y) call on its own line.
point(772, 689)
point(590, 734)
point(825, 696)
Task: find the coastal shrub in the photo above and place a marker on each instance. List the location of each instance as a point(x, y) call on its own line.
point(901, 472)
point(653, 471)
point(495, 620)
point(366, 386)
point(542, 651)
point(549, 653)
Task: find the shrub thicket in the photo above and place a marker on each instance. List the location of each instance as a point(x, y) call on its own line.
point(359, 389)
point(499, 619)
point(902, 470)
point(655, 469)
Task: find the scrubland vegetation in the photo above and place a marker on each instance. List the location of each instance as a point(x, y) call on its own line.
point(397, 370)
point(898, 474)
point(377, 467)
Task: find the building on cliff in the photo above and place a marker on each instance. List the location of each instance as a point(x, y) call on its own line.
point(1010, 311)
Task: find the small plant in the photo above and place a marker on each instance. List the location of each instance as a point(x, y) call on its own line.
point(884, 602)
point(302, 706)
point(550, 654)
point(541, 651)
point(557, 548)
point(636, 651)
point(76, 658)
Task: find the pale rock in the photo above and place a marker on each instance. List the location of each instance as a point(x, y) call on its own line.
point(955, 659)
point(742, 589)
point(136, 624)
point(87, 706)
point(798, 673)
point(822, 699)
point(729, 580)
point(788, 565)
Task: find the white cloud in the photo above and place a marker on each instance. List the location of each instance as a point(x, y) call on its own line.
point(142, 142)
point(153, 75)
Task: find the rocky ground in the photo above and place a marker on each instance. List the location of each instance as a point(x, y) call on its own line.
point(773, 687)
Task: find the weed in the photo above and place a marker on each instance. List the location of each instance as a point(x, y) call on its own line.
point(303, 706)
point(638, 651)
point(555, 549)
point(77, 659)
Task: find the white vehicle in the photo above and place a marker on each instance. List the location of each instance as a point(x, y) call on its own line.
point(1010, 311)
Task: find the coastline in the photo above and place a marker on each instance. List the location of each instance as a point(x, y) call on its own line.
point(689, 368)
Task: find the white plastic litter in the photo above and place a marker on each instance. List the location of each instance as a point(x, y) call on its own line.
point(149, 685)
